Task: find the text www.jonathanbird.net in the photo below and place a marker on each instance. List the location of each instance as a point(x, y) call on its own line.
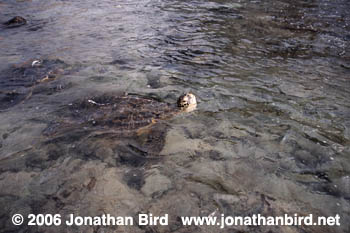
point(151, 220)
point(259, 220)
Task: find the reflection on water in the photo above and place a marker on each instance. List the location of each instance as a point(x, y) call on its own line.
point(270, 135)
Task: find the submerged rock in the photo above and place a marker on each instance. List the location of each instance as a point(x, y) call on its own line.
point(156, 184)
point(16, 21)
point(17, 83)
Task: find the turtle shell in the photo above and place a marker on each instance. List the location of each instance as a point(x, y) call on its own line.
point(116, 121)
point(116, 113)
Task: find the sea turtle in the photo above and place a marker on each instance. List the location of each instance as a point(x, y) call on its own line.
point(127, 124)
point(125, 113)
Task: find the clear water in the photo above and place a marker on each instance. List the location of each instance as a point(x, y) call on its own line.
point(270, 134)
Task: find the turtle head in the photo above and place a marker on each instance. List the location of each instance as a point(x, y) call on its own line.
point(187, 102)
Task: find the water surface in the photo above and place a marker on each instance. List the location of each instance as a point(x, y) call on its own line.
point(270, 134)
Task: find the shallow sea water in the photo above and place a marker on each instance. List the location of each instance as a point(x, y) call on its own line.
point(270, 134)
